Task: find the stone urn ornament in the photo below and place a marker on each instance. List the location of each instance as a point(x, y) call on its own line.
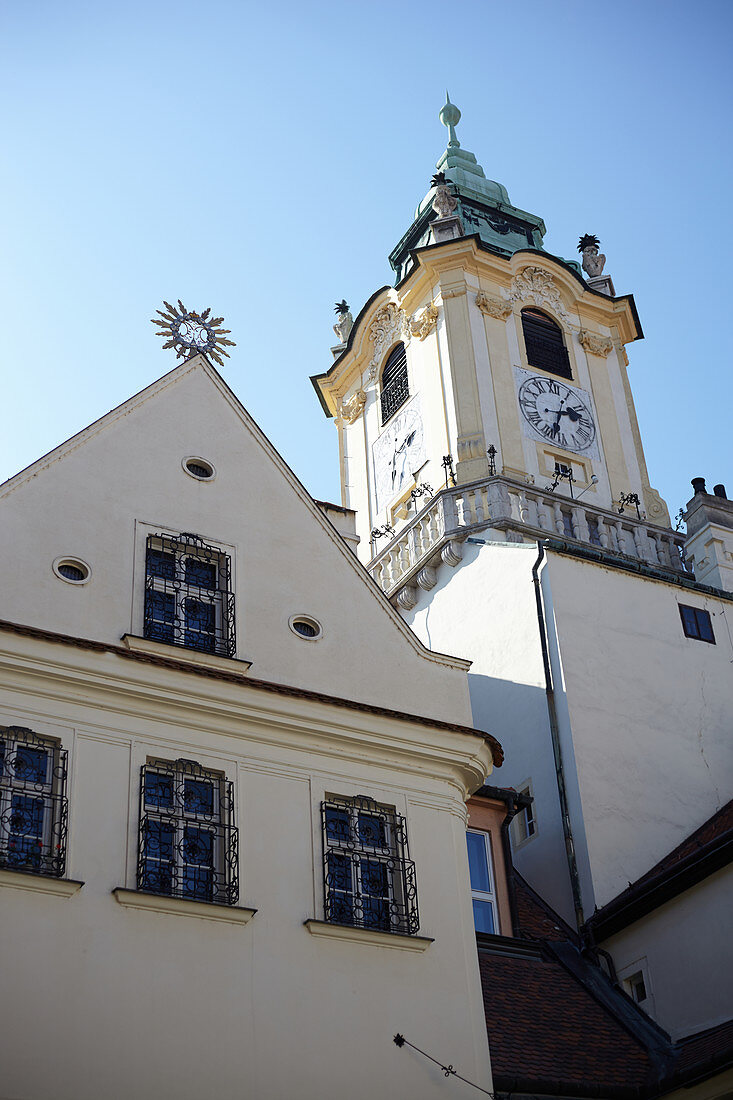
point(344, 323)
point(444, 203)
point(593, 260)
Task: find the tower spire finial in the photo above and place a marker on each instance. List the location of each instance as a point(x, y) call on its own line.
point(450, 116)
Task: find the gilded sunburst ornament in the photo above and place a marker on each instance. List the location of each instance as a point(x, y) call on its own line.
point(191, 333)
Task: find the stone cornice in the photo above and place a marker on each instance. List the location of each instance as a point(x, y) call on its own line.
point(368, 936)
point(42, 664)
point(183, 907)
point(40, 884)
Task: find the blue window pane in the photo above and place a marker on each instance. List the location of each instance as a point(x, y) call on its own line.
point(198, 846)
point(483, 916)
point(376, 913)
point(477, 862)
point(337, 825)
point(374, 878)
point(340, 894)
point(160, 613)
point(29, 764)
point(339, 872)
point(201, 573)
point(159, 564)
point(705, 625)
point(199, 622)
point(158, 789)
point(371, 831)
point(3, 746)
point(689, 621)
point(25, 842)
point(159, 839)
point(157, 867)
point(198, 797)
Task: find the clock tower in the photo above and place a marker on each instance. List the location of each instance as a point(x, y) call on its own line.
point(487, 389)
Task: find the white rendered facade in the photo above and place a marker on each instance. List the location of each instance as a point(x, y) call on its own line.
point(111, 990)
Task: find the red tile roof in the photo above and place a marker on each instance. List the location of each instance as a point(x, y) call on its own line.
point(537, 921)
point(713, 829)
point(548, 1033)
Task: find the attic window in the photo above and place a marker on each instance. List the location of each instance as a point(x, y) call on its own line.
point(73, 570)
point(198, 468)
point(306, 627)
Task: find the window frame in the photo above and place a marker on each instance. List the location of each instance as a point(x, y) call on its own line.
point(391, 393)
point(566, 369)
point(400, 915)
point(175, 630)
point(695, 631)
point(49, 793)
point(484, 897)
point(175, 815)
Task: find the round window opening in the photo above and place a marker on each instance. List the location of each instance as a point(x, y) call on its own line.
point(72, 569)
point(198, 468)
point(306, 627)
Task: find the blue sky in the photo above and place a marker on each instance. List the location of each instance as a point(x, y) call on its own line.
point(264, 159)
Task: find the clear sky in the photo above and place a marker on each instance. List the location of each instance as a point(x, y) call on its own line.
point(264, 158)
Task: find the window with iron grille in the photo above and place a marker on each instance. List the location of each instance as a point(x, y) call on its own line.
point(544, 343)
point(369, 879)
point(188, 840)
point(33, 804)
point(395, 388)
point(188, 596)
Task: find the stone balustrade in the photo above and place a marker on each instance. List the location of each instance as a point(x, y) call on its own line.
point(518, 513)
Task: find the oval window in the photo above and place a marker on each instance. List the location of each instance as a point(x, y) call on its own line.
point(198, 468)
point(72, 570)
point(306, 627)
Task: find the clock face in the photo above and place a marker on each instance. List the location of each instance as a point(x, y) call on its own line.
point(557, 413)
point(399, 452)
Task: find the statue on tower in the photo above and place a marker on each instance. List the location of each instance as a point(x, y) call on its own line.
point(345, 321)
point(593, 261)
point(444, 204)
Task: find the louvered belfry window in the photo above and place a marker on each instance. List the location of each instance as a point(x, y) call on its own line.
point(395, 387)
point(544, 342)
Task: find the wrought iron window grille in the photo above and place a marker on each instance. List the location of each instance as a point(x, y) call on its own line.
point(544, 344)
point(395, 388)
point(188, 846)
point(369, 879)
point(33, 803)
point(188, 594)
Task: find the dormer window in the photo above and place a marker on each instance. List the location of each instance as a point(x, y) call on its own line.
point(544, 343)
point(395, 388)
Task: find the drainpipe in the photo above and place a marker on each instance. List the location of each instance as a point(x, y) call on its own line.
point(556, 750)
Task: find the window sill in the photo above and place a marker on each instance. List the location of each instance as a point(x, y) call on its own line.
point(365, 935)
point(182, 653)
point(206, 910)
point(41, 884)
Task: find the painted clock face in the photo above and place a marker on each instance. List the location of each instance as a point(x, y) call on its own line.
point(557, 413)
point(399, 452)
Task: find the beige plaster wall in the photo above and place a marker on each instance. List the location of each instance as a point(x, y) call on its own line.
point(98, 496)
point(109, 1001)
point(650, 713)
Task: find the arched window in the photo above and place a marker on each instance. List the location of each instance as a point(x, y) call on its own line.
point(544, 342)
point(395, 388)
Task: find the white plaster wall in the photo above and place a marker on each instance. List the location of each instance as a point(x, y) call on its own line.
point(86, 499)
point(688, 951)
point(104, 1001)
point(485, 610)
point(650, 712)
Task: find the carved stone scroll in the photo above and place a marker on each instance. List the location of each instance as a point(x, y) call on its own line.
point(596, 345)
point(407, 597)
point(493, 307)
point(351, 410)
point(424, 324)
point(389, 325)
point(427, 578)
point(537, 285)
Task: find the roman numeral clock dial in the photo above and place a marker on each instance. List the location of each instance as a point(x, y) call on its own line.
point(557, 413)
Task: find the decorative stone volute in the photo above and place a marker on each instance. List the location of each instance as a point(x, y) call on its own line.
point(407, 597)
point(351, 410)
point(390, 324)
point(595, 344)
point(537, 285)
point(425, 322)
point(493, 307)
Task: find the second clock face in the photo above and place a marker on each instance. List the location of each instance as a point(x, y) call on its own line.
point(399, 452)
point(557, 413)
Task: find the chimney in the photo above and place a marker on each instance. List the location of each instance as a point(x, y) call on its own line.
point(698, 485)
point(719, 491)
